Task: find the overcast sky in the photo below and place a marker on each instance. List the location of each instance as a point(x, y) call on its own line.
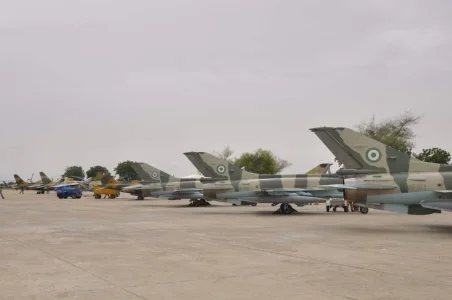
point(100, 81)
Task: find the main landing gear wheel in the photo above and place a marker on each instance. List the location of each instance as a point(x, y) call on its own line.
point(140, 197)
point(200, 202)
point(364, 210)
point(204, 202)
point(285, 209)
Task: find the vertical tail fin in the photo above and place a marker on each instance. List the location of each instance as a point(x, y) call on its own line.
point(99, 176)
point(150, 173)
point(320, 169)
point(18, 179)
point(358, 151)
point(44, 178)
point(108, 179)
point(215, 167)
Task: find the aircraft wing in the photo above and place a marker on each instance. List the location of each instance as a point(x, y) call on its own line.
point(181, 194)
point(446, 192)
point(189, 192)
point(34, 186)
point(442, 202)
point(137, 187)
point(66, 184)
point(298, 196)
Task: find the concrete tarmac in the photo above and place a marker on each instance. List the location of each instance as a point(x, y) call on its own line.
point(159, 249)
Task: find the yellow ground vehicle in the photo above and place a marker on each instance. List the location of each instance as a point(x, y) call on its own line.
point(110, 193)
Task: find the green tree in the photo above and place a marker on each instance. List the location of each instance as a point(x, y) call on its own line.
point(396, 132)
point(92, 172)
point(125, 171)
point(262, 162)
point(74, 171)
point(434, 155)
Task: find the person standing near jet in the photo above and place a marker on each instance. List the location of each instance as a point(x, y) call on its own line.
point(21, 190)
point(1, 192)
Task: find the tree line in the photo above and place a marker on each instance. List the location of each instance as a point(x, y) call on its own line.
point(396, 132)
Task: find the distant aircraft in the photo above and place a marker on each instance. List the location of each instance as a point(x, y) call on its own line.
point(320, 169)
point(230, 183)
point(8, 184)
point(110, 182)
point(95, 181)
point(48, 184)
point(21, 184)
point(381, 177)
point(162, 185)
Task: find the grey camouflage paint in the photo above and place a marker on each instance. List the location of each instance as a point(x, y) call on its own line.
point(163, 184)
point(234, 179)
point(400, 172)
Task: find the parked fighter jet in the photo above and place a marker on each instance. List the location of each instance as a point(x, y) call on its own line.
point(48, 184)
point(384, 178)
point(162, 185)
point(8, 184)
point(231, 183)
point(23, 185)
point(109, 182)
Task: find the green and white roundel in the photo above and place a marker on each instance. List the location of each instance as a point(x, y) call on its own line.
point(154, 174)
point(373, 155)
point(221, 169)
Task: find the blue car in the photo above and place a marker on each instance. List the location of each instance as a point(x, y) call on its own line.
point(65, 192)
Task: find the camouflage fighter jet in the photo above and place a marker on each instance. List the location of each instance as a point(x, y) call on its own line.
point(162, 185)
point(320, 169)
point(231, 183)
point(102, 182)
point(95, 181)
point(48, 184)
point(21, 184)
point(9, 184)
point(380, 177)
point(109, 182)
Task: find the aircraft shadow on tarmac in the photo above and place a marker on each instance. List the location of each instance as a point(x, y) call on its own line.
point(440, 228)
point(238, 210)
point(264, 213)
point(394, 229)
point(177, 206)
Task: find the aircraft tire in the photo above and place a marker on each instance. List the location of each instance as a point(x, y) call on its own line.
point(286, 209)
point(364, 210)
